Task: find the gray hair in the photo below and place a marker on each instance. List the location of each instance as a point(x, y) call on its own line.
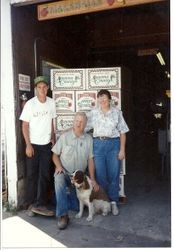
point(80, 113)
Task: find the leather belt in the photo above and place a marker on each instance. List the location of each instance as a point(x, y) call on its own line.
point(103, 138)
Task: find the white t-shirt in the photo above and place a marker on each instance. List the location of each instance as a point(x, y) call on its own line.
point(39, 116)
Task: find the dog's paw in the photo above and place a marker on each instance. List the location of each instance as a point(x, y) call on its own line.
point(89, 218)
point(78, 216)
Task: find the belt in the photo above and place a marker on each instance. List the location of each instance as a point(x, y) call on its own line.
point(103, 138)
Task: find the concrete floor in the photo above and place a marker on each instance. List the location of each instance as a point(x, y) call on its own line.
point(144, 221)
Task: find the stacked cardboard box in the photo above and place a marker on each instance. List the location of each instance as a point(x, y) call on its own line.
point(76, 90)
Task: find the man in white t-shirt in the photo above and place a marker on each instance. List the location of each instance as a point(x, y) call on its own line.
point(38, 131)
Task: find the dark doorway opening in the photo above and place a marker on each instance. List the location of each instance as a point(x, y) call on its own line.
point(106, 39)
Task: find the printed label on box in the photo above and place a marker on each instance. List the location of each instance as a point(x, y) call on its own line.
point(64, 101)
point(64, 121)
point(103, 78)
point(68, 79)
point(116, 98)
point(86, 100)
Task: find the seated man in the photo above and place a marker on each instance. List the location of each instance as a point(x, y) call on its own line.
point(72, 151)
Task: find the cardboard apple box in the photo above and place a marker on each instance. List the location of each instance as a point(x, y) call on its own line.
point(63, 122)
point(86, 100)
point(65, 101)
point(68, 79)
point(103, 78)
point(116, 98)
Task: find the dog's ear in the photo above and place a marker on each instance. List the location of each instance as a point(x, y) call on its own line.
point(85, 183)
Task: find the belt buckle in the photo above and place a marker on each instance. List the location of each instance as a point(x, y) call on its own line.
point(102, 138)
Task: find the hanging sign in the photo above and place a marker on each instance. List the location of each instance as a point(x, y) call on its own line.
point(74, 7)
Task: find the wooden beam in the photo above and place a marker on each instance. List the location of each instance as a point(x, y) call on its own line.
point(74, 7)
point(131, 40)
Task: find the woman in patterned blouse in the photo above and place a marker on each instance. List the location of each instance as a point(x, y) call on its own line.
point(109, 133)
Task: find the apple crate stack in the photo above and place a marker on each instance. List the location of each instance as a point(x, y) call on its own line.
point(76, 90)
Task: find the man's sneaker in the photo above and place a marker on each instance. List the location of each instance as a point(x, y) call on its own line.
point(63, 222)
point(42, 210)
point(29, 212)
point(114, 208)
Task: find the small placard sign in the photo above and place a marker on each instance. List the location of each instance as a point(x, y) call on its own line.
point(24, 82)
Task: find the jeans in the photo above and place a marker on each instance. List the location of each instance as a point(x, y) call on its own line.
point(38, 174)
point(107, 165)
point(66, 198)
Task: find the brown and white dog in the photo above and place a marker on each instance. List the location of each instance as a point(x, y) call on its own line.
point(95, 201)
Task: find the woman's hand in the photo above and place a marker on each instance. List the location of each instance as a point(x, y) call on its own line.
point(121, 155)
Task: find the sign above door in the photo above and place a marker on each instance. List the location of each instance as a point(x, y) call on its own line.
point(75, 7)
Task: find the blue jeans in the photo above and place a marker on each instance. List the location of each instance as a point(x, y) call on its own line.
point(66, 198)
point(107, 165)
